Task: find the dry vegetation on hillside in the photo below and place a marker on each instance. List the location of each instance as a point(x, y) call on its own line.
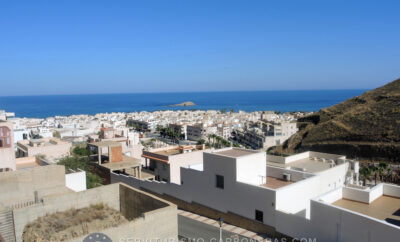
point(367, 127)
point(73, 223)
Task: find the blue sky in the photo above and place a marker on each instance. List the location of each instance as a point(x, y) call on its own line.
point(73, 47)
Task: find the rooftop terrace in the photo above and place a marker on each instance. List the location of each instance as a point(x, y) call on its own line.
point(311, 162)
point(384, 208)
point(169, 152)
point(235, 152)
point(275, 183)
point(307, 164)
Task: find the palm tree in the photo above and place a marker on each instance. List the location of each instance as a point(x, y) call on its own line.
point(365, 173)
point(209, 138)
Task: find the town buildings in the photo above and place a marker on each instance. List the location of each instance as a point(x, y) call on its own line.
point(6, 115)
point(195, 132)
point(107, 157)
point(165, 163)
point(263, 134)
point(7, 151)
point(52, 148)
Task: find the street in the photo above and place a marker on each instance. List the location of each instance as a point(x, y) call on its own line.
point(192, 230)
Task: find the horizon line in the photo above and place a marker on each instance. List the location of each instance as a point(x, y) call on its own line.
point(127, 93)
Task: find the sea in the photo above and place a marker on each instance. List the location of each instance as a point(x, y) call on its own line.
point(282, 101)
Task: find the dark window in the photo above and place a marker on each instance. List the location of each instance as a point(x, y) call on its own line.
point(259, 216)
point(165, 180)
point(219, 181)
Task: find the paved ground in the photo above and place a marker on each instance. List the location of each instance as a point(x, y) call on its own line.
point(195, 227)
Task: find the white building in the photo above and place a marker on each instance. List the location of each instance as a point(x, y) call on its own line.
point(279, 192)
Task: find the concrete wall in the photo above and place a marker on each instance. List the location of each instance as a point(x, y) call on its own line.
point(149, 216)
point(107, 194)
point(133, 203)
point(19, 186)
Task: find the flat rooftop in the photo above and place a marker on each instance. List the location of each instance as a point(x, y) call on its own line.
point(235, 152)
point(127, 162)
point(173, 151)
point(275, 183)
point(105, 144)
point(307, 165)
point(384, 208)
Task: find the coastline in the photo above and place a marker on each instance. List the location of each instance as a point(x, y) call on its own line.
point(91, 104)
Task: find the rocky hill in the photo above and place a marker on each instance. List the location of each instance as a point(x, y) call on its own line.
point(366, 126)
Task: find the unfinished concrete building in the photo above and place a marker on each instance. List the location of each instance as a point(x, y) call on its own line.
point(34, 198)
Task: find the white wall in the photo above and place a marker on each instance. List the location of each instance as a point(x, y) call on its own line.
point(295, 198)
point(332, 224)
point(277, 172)
point(252, 169)
point(182, 160)
point(199, 186)
point(333, 178)
point(363, 195)
point(288, 159)
point(76, 181)
point(391, 190)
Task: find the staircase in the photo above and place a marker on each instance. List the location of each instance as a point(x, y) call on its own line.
point(7, 226)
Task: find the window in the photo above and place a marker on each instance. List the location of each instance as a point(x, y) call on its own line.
point(259, 216)
point(219, 181)
point(5, 137)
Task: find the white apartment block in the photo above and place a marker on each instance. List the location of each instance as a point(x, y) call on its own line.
point(299, 196)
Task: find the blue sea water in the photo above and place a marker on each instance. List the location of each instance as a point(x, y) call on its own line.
point(283, 101)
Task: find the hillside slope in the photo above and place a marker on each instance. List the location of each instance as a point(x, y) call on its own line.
point(367, 127)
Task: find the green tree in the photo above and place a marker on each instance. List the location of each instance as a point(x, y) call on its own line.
point(80, 151)
point(82, 163)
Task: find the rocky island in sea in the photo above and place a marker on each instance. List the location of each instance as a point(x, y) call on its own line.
point(184, 104)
